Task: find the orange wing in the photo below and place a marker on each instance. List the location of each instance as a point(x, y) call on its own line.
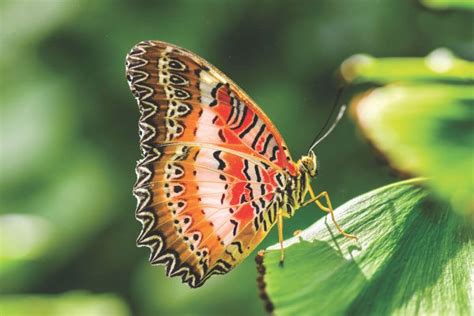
point(213, 168)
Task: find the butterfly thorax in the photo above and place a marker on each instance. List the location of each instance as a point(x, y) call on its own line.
point(297, 185)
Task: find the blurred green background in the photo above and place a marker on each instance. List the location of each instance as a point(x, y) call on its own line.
point(69, 140)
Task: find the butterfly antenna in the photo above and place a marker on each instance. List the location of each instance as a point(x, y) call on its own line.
point(342, 109)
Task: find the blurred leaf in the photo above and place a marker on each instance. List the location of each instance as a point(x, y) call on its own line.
point(424, 125)
point(440, 65)
point(414, 256)
point(23, 237)
point(449, 4)
point(16, 35)
point(68, 304)
point(73, 208)
point(425, 130)
point(36, 119)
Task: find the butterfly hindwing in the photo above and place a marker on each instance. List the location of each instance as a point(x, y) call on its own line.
point(212, 164)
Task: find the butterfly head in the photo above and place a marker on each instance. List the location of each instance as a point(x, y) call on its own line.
point(309, 164)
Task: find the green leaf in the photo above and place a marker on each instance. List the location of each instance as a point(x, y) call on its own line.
point(413, 257)
point(424, 122)
point(449, 4)
point(440, 65)
point(425, 130)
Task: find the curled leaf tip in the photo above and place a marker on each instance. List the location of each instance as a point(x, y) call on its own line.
point(350, 67)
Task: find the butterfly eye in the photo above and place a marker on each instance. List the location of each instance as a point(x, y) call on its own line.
point(316, 166)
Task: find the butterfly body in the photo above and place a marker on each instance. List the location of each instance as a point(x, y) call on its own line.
point(215, 174)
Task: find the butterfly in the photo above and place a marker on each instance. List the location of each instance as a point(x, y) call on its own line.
point(215, 173)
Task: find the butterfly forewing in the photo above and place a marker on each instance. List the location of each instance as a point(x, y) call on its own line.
point(212, 164)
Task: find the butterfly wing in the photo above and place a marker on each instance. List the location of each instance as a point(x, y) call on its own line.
point(213, 164)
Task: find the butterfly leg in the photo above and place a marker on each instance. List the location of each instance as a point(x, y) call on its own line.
point(316, 199)
point(280, 236)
